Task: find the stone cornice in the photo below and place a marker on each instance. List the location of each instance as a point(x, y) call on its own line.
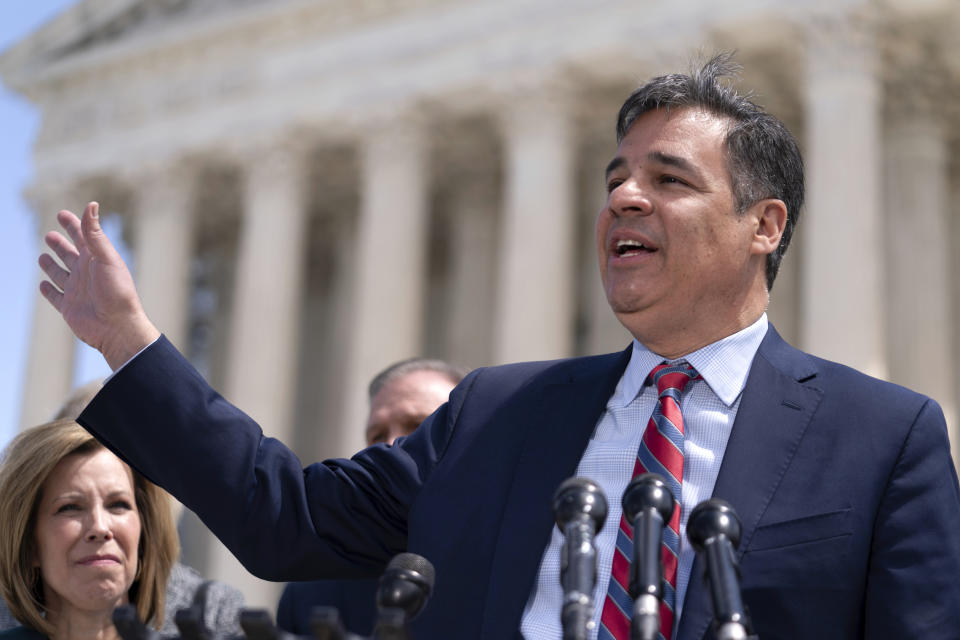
point(95, 35)
point(240, 78)
point(264, 68)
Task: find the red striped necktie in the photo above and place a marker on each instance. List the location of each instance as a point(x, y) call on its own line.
point(661, 451)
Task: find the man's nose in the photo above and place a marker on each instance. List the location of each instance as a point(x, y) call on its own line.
point(630, 198)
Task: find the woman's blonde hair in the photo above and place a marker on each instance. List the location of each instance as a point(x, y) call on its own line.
point(24, 467)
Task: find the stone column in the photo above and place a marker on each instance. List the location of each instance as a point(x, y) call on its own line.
point(535, 307)
point(603, 332)
point(50, 356)
point(163, 244)
point(920, 329)
point(389, 264)
point(843, 311)
point(473, 281)
point(468, 174)
point(953, 265)
point(260, 377)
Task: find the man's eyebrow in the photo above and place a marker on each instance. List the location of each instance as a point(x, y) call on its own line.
point(661, 158)
point(674, 161)
point(615, 164)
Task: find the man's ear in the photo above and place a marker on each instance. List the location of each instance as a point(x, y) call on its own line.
point(771, 219)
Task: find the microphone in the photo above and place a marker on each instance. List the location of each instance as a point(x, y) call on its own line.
point(190, 620)
point(404, 589)
point(325, 624)
point(580, 509)
point(258, 625)
point(714, 531)
point(129, 625)
point(648, 506)
point(191, 625)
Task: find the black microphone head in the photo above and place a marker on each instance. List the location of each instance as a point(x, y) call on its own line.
point(129, 625)
point(258, 625)
point(647, 491)
point(415, 563)
point(406, 584)
point(190, 624)
point(576, 497)
point(711, 518)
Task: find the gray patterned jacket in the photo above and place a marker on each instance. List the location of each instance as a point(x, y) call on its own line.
point(221, 613)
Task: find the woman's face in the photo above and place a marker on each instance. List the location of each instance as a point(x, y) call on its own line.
point(87, 532)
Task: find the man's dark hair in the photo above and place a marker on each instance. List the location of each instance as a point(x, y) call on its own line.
point(399, 369)
point(763, 157)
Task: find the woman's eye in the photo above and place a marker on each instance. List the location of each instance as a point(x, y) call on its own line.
point(70, 506)
point(120, 505)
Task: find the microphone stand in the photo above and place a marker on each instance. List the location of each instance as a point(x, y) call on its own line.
point(403, 591)
point(648, 506)
point(325, 624)
point(580, 509)
point(129, 625)
point(714, 531)
point(257, 625)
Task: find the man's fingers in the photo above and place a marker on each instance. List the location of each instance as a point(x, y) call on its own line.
point(61, 246)
point(55, 272)
point(71, 224)
point(94, 237)
point(52, 294)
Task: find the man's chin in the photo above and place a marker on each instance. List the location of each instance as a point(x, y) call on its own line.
point(627, 305)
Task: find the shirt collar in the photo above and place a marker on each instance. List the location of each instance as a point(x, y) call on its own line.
point(723, 364)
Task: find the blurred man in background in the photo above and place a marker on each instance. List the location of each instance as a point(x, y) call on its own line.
point(401, 397)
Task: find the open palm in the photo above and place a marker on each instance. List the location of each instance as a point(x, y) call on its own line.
point(95, 292)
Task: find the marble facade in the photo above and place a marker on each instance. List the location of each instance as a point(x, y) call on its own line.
point(312, 190)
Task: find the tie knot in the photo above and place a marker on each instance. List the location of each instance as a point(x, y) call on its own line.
point(673, 376)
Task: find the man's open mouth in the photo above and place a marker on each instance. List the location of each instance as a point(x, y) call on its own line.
point(626, 248)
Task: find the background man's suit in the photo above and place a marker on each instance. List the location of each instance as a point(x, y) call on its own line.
point(844, 484)
point(354, 600)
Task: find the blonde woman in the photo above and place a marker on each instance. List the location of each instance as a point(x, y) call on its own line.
point(80, 534)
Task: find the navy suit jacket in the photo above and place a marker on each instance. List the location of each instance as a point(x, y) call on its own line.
point(354, 600)
point(844, 485)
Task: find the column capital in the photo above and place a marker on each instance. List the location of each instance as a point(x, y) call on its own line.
point(395, 127)
point(527, 104)
point(161, 179)
point(168, 168)
point(843, 42)
point(918, 82)
point(279, 154)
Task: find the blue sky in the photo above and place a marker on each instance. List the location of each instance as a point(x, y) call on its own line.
point(18, 126)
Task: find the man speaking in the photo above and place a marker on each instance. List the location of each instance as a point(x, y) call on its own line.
point(844, 484)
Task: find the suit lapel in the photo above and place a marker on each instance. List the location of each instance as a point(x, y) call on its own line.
point(567, 409)
point(774, 412)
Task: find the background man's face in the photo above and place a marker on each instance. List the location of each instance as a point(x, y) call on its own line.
point(401, 405)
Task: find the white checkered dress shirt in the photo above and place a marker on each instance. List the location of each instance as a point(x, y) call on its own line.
point(709, 407)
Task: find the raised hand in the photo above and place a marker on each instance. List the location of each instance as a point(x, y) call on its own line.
point(95, 293)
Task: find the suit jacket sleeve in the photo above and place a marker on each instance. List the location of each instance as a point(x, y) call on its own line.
point(912, 586)
point(340, 518)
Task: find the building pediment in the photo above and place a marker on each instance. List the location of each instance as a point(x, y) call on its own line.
point(94, 24)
